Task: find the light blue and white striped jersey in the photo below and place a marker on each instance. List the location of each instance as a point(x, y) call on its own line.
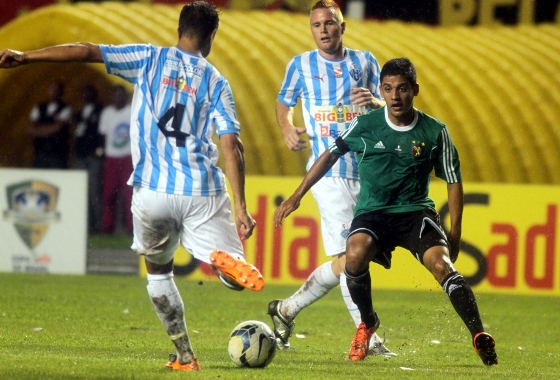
point(178, 100)
point(324, 87)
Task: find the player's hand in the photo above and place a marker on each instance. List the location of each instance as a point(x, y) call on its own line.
point(454, 248)
point(11, 58)
point(362, 97)
point(245, 224)
point(286, 208)
point(293, 140)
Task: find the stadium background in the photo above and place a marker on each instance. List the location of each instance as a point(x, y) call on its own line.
point(491, 74)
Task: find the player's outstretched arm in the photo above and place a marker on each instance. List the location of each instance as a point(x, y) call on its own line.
point(232, 150)
point(315, 173)
point(455, 201)
point(285, 118)
point(74, 52)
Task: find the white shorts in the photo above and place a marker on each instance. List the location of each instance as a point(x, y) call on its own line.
point(201, 224)
point(336, 198)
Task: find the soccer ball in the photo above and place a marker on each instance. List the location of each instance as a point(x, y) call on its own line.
point(252, 344)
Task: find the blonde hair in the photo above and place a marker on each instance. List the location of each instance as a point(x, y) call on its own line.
point(329, 4)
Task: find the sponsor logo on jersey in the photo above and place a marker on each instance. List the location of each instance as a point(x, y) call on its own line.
point(191, 71)
point(326, 132)
point(339, 114)
point(379, 145)
point(337, 72)
point(180, 84)
point(319, 77)
point(417, 149)
point(172, 63)
point(184, 70)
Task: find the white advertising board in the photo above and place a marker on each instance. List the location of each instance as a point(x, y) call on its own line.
point(43, 222)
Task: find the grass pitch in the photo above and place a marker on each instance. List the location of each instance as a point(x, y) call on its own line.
point(104, 327)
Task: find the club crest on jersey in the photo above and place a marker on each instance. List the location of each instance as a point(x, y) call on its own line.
point(356, 74)
point(417, 149)
point(345, 231)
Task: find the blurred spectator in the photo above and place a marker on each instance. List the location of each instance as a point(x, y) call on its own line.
point(49, 126)
point(115, 125)
point(88, 152)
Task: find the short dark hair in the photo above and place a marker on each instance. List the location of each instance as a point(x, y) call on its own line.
point(399, 66)
point(198, 20)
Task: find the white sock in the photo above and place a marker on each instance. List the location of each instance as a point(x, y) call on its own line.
point(350, 305)
point(319, 283)
point(171, 312)
point(353, 308)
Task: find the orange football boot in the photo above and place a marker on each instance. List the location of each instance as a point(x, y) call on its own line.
point(174, 364)
point(243, 273)
point(360, 344)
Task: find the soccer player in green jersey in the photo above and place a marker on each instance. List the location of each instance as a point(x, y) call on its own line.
point(398, 146)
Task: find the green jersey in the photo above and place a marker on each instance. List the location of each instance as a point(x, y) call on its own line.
point(395, 163)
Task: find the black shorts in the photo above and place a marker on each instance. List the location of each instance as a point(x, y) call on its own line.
point(415, 231)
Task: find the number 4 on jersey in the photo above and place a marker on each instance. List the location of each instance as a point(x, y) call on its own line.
point(175, 113)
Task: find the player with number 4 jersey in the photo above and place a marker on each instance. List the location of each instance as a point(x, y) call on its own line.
point(179, 194)
point(178, 97)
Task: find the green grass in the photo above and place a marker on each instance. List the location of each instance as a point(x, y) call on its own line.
point(115, 241)
point(104, 327)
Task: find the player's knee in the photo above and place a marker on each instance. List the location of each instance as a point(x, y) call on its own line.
point(338, 264)
point(438, 264)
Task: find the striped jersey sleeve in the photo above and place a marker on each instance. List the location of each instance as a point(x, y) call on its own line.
point(447, 166)
point(180, 100)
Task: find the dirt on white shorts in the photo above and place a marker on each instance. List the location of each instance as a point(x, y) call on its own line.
point(336, 198)
point(201, 224)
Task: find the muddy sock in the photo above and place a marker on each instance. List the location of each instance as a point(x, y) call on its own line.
point(319, 283)
point(170, 310)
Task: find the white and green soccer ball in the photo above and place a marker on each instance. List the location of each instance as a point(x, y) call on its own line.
point(252, 344)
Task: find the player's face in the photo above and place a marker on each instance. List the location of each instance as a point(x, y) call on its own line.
point(327, 31)
point(399, 95)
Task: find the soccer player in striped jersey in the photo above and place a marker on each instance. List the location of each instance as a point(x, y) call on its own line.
point(179, 194)
point(335, 84)
point(397, 147)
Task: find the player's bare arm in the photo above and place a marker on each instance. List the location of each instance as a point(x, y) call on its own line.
point(364, 98)
point(74, 52)
point(455, 201)
point(232, 150)
point(285, 118)
point(315, 173)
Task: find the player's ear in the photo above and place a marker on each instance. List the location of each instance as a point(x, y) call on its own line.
point(416, 89)
point(343, 27)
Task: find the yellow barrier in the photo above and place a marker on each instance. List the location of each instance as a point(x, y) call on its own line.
point(510, 240)
point(495, 87)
